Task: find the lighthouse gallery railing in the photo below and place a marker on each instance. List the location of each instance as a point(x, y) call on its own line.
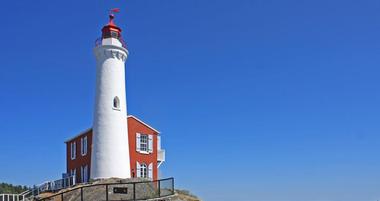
point(98, 42)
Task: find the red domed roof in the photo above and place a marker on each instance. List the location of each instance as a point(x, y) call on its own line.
point(111, 30)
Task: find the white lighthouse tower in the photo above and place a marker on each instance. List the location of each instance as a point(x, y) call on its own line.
point(110, 149)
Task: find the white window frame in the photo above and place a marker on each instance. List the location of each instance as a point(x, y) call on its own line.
point(84, 145)
point(144, 143)
point(84, 173)
point(143, 170)
point(73, 172)
point(73, 150)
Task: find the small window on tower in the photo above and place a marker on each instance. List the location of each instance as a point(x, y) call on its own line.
point(116, 103)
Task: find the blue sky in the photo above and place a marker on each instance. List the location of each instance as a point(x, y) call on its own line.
point(267, 100)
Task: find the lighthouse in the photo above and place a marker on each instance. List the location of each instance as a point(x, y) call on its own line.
point(110, 148)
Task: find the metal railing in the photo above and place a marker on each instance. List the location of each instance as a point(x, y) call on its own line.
point(54, 186)
point(126, 191)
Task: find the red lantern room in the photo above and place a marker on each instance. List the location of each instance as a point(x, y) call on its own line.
point(111, 30)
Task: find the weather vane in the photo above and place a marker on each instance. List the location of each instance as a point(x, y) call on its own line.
point(114, 10)
point(112, 13)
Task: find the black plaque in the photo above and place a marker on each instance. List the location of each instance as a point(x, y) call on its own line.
point(120, 190)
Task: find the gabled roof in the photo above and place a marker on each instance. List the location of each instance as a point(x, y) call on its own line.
point(129, 116)
point(139, 120)
point(81, 133)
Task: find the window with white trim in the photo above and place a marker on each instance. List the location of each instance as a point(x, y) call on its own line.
point(73, 172)
point(84, 146)
point(144, 143)
point(143, 170)
point(84, 173)
point(73, 150)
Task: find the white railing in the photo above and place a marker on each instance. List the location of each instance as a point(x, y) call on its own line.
point(52, 186)
point(15, 197)
point(7, 197)
point(49, 186)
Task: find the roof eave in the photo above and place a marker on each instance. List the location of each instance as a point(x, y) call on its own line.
point(81, 133)
point(147, 125)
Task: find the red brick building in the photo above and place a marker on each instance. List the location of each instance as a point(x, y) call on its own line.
point(145, 151)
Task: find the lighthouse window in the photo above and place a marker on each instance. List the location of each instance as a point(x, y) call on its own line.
point(114, 34)
point(116, 103)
